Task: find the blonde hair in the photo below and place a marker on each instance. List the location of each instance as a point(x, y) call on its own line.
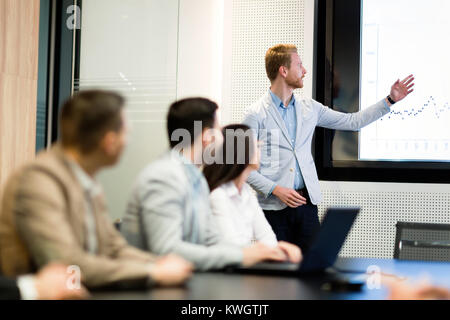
point(277, 56)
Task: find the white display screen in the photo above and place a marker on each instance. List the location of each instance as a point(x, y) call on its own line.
point(399, 38)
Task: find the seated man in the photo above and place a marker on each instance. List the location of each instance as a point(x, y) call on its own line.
point(54, 210)
point(169, 209)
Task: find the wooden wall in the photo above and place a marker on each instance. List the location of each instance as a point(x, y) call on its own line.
point(19, 39)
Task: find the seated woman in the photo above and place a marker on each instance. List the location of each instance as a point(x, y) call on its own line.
point(236, 210)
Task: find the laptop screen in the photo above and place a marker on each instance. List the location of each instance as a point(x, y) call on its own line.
point(330, 238)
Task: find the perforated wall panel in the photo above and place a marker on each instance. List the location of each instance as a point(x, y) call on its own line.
point(257, 25)
point(383, 205)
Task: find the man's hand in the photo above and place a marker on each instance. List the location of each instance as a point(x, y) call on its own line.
point(171, 270)
point(260, 252)
point(402, 290)
point(52, 284)
point(289, 197)
point(401, 89)
point(293, 253)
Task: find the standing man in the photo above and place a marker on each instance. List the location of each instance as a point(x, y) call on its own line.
point(287, 183)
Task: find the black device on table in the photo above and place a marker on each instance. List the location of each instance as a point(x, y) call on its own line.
point(322, 254)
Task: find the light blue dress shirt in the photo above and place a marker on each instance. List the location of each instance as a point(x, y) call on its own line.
point(198, 194)
point(289, 116)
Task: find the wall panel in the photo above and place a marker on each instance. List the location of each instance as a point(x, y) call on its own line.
point(19, 35)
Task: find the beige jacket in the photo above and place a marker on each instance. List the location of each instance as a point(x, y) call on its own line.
point(42, 220)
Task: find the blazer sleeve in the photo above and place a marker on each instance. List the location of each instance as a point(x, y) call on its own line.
point(258, 182)
point(9, 289)
point(331, 119)
point(163, 207)
point(261, 184)
point(119, 247)
point(43, 224)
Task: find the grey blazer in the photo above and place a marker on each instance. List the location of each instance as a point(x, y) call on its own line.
point(162, 217)
point(278, 154)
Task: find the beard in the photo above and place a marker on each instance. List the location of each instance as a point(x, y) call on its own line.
point(295, 83)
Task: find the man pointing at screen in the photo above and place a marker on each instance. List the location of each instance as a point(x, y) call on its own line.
point(287, 182)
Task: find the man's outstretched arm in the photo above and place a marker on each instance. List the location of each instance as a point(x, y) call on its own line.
point(331, 119)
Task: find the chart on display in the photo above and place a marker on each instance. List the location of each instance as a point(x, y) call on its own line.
point(399, 38)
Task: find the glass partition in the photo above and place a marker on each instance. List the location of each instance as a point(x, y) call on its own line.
point(131, 47)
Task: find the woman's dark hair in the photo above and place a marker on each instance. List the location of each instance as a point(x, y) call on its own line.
point(234, 156)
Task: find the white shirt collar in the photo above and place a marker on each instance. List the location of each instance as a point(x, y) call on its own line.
point(232, 190)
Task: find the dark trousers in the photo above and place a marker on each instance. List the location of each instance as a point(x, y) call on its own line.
point(298, 226)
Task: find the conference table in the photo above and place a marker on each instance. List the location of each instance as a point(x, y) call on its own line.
point(234, 286)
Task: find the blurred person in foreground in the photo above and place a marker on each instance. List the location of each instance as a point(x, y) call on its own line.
point(407, 290)
point(54, 209)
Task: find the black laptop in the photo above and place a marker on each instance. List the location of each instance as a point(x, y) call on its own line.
point(323, 252)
